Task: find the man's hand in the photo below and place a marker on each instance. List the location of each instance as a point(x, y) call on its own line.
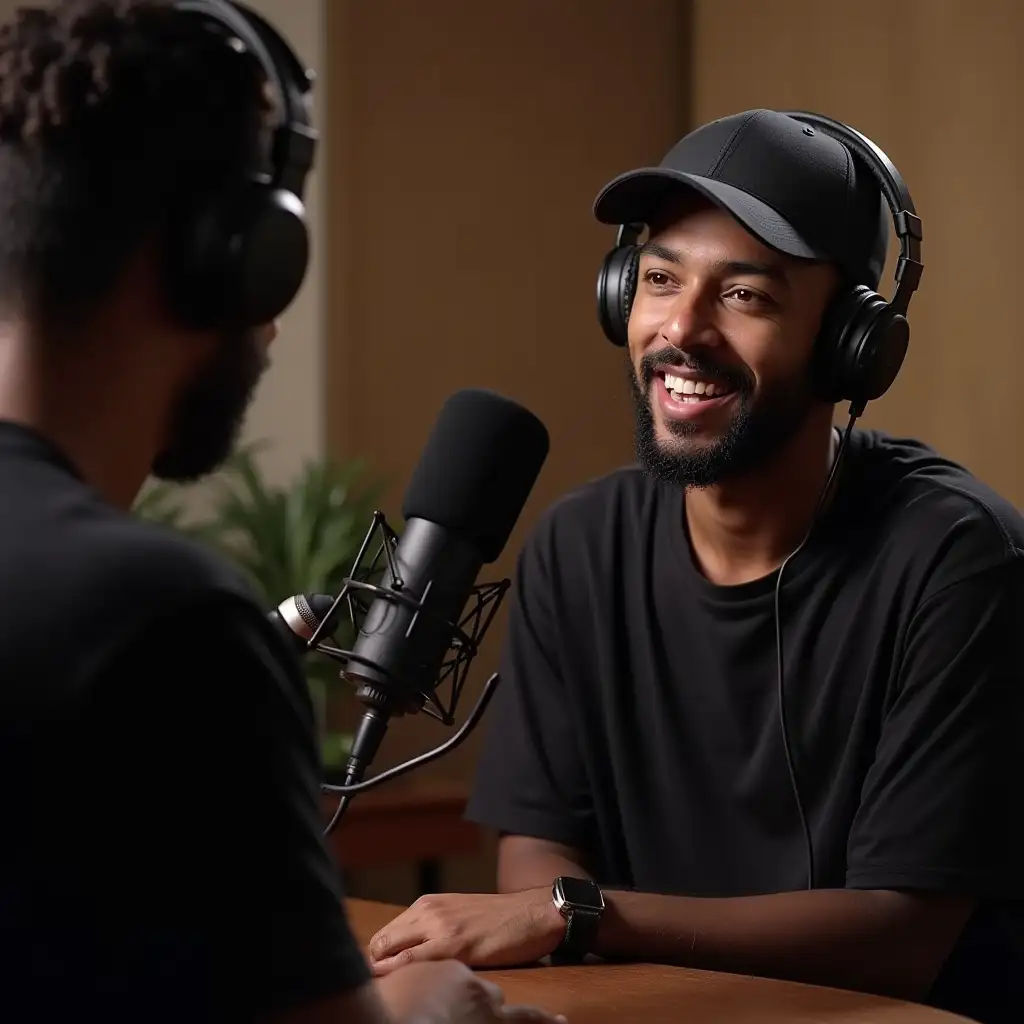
point(482, 930)
point(450, 993)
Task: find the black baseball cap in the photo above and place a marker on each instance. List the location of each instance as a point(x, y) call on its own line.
point(798, 190)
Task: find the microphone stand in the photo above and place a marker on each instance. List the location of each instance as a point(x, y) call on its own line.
point(466, 635)
point(353, 784)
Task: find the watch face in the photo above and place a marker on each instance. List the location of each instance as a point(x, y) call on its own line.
point(579, 892)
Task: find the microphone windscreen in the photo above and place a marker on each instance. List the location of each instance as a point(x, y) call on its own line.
point(478, 467)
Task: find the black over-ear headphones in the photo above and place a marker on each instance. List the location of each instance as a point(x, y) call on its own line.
point(864, 337)
point(240, 260)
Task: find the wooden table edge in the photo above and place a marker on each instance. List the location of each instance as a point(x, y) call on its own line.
point(367, 916)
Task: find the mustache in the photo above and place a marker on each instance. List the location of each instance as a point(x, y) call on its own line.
point(696, 361)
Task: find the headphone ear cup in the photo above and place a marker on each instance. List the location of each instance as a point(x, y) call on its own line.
point(239, 261)
point(860, 348)
point(272, 260)
point(628, 291)
point(616, 287)
point(829, 358)
point(880, 353)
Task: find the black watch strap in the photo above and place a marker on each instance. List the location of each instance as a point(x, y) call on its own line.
point(580, 933)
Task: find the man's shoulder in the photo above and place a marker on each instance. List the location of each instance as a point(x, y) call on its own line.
point(140, 575)
point(95, 576)
point(591, 526)
point(147, 567)
point(616, 500)
point(59, 538)
point(930, 507)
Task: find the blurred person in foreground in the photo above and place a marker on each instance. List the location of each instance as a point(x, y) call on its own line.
point(636, 762)
point(162, 855)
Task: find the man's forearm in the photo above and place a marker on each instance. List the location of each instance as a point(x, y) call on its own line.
point(874, 941)
point(526, 863)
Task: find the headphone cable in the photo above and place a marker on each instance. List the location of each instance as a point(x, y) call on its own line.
point(855, 412)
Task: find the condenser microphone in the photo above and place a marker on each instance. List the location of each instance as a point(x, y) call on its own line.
point(478, 467)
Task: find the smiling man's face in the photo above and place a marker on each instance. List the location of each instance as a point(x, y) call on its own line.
point(721, 334)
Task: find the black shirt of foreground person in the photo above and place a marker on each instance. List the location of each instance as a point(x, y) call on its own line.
point(638, 722)
point(161, 855)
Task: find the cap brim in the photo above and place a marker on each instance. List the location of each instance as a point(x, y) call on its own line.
point(638, 196)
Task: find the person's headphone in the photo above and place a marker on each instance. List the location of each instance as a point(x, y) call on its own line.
point(864, 337)
point(240, 260)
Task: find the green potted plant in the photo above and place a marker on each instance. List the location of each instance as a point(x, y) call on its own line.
point(298, 538)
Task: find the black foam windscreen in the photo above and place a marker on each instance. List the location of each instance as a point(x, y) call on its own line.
point(477, 469)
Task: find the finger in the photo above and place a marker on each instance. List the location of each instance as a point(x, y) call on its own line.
point(409, 922)
point(396, 937)
point(430, 950)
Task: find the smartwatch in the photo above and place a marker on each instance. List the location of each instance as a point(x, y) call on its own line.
point(581, 902)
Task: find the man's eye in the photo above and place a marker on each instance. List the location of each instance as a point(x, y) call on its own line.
point(749, 298)
point(658, 278)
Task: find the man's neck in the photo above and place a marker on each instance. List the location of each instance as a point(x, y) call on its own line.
point(742, 530)
point(78, 406)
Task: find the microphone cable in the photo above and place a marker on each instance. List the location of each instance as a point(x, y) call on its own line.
point(855, 413)
point(343, 802)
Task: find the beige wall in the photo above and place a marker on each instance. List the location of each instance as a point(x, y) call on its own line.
point(939, 85)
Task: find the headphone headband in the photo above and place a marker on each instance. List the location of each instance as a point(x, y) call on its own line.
point(909, 267)
point(238, 258)
point(294, 142)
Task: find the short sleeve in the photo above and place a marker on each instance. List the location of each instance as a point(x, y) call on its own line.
point(941, 803)
point(206, 825)
point(531, 779)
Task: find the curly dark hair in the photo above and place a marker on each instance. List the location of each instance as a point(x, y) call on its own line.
point(115, 117)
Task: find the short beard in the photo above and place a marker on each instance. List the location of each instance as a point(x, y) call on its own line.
point(757, 431)
point(208, 418)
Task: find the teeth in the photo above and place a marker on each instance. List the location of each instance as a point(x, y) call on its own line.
point(687, 386)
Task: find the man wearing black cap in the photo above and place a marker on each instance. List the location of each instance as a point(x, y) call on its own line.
point(817, 771)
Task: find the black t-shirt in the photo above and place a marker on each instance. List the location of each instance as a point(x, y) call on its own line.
point(638, 719)
point(161, 853)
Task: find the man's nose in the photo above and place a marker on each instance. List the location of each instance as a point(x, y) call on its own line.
point(688, 322)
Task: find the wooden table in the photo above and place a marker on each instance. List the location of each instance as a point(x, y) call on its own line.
point(648, 994)
point(414, 821)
